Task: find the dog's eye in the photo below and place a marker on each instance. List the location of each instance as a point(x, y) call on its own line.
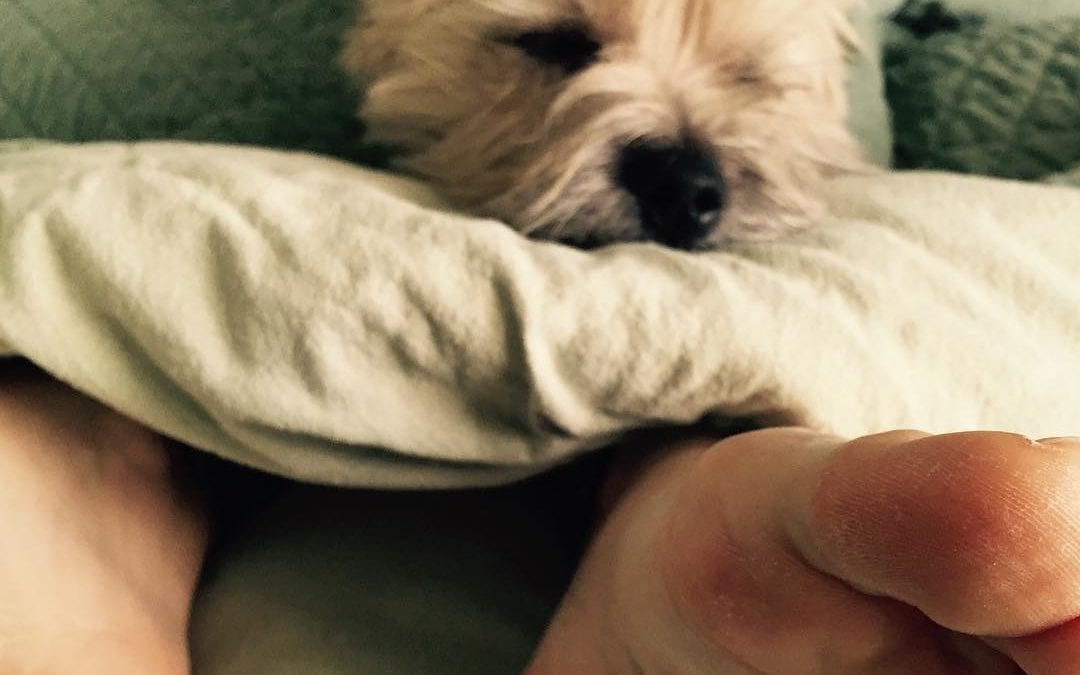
point(571, 49)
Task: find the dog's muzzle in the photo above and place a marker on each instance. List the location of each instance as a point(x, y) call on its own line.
point(679, 190)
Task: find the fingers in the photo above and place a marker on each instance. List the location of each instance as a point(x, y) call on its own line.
point(736, 579)
point(981, 532)
point(1051, 652)
point(880, 554)
point(786, 552)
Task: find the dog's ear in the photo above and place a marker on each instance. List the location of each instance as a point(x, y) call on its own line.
point(843, 13)
point(836, 43)
point(372, 45)
point(839, 49)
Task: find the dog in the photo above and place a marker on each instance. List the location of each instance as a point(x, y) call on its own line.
point(689, 123)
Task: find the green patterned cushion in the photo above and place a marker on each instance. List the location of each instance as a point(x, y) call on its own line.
point(239, 71)
point(991, 99)
point(1018, 11)
point(1067, 178)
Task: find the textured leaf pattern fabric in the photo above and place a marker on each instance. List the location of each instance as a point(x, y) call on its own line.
point(1001, 101)
point(238, 71)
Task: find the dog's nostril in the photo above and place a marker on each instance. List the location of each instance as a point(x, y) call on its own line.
point(707, 203)
point(678, 188)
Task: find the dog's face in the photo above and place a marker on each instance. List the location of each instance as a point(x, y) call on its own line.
point(688, 122)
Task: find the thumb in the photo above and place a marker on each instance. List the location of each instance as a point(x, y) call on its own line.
point(979, 531)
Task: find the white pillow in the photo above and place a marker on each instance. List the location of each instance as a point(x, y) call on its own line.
point(313, 319)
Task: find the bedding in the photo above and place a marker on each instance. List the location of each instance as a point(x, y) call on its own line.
point(870, 119)
point(1066, 178)
point(236, 71)
point(305, 316)
point(995, 99)
point(1012, 12)
point(350, 583)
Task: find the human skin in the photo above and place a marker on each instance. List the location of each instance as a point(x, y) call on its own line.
point(785, 552)
point(102, 537)
point(782, 552)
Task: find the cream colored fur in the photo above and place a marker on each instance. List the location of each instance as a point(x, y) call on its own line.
point(759, 82)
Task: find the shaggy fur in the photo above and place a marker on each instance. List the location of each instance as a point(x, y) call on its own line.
point(759, 83)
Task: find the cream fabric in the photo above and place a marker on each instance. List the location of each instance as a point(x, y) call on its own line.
point(325, 322)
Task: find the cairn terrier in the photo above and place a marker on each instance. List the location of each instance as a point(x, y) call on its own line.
point(684, 122)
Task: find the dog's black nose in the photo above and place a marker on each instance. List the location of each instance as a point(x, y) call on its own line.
point(678, 188)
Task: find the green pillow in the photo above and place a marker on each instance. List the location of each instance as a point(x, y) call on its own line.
point(238, 71)
point(986, 95)
point(1017, 11)
point(241, 71)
